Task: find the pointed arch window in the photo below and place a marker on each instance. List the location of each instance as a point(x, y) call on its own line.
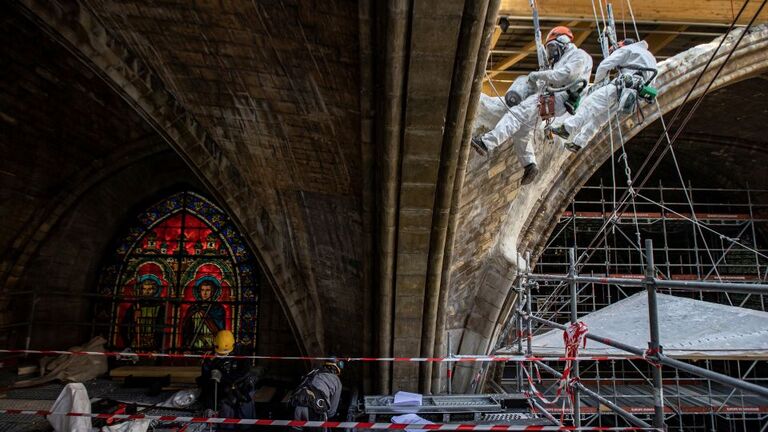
point(181, 273)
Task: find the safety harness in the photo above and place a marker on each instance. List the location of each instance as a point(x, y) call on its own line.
point(307, 395)
point(633, 87)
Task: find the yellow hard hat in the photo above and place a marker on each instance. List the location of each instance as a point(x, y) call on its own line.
point(224, 342)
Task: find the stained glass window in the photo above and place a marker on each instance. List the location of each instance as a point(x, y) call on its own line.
point(181, 273)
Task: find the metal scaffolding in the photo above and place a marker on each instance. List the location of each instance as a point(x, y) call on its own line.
point(653, 354)
point(707, 248)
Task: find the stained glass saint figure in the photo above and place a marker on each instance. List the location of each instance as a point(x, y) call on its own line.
point(142, 324)
point(206, 317)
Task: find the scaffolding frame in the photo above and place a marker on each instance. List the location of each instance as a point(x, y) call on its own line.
point(654, 354)
point(685, 222)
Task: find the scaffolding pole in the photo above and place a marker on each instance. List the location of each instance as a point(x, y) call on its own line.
point(519, 366)
point(653, 356)
point(528, 326)
point(620, 411)
point(654, 345)
point(544, 411)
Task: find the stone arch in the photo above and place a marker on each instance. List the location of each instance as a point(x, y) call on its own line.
point(82, 34)
point(532, 211)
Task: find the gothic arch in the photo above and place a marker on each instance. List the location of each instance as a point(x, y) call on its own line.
point(144, 91)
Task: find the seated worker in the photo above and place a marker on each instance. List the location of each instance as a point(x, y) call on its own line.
point(637, 68)
point(569, 65)
point(317, 397)
point(225, 382)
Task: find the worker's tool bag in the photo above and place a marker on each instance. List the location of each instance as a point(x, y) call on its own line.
point(547, 106)
point(574, 91)
point(627, 87)
point(306, 395)
point(573, 98)
point(637, 81)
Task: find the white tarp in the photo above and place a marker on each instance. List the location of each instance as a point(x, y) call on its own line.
point(73, 398)
point(141, 425)
point(688, 329)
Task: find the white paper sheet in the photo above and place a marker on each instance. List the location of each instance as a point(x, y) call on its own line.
point(403, 398)
point(410, 419)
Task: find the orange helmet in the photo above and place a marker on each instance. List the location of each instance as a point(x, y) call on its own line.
point(559, 31)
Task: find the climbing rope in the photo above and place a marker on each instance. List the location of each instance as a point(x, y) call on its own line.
point(632, 15)
point(620, 209)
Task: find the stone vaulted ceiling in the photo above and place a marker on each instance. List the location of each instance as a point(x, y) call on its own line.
point(277, 89)
point(332, 131)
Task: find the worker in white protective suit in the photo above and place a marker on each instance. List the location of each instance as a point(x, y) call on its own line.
point(636, 68)
point(570, 65)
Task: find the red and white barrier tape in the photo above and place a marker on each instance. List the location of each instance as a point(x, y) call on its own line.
point(573, 337)
point(455, 359)
point(322, 424)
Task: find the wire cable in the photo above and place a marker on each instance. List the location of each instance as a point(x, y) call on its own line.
point(621, 208)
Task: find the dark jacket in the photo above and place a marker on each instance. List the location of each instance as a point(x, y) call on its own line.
point(235, 381)
point(325, 382)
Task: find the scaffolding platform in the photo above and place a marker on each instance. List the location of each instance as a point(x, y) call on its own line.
point(479, 409)
point(689, 398)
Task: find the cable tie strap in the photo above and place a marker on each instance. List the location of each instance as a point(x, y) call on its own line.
point(651, 355)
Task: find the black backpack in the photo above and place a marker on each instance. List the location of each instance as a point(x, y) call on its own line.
point(307, 395)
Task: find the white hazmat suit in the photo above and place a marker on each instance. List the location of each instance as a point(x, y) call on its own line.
point(602, 102)
point(575, 64)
